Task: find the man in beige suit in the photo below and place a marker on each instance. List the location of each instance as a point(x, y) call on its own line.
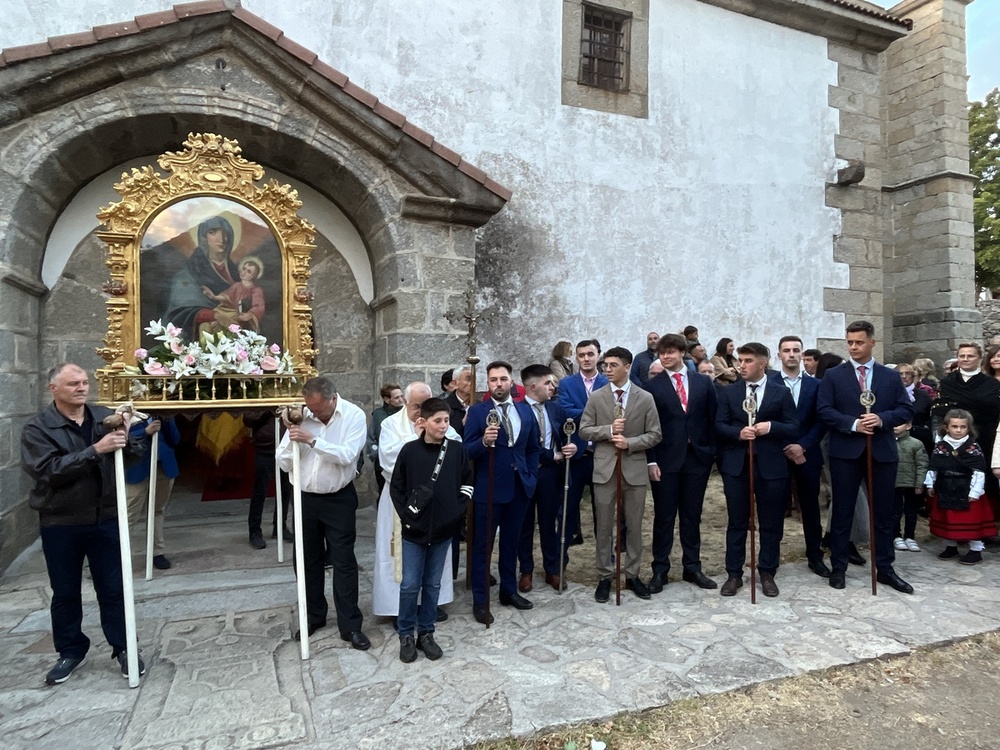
point(639, 430)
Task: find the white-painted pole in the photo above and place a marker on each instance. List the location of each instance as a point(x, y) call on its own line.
point(125, 545)
point(279, 512)
point(154, 457)
point(300, 563)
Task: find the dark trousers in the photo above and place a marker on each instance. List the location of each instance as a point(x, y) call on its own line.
point(907, 505)
point(508, 518)
point(330, 519)
point(547, 506)
point(679, 496)
point(65, 548)
point(770, 495)
point(806, 478)
point(846, 476)
point(581, 475)
point(263, 473)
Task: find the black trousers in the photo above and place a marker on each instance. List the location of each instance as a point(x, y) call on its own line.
point(263, 473)
point(771, 495)
point(907, 505)
point(330, 519)
point(846, 476)
point(547, 505)
point(679, 496)
point(65, 548)
point(807, 482)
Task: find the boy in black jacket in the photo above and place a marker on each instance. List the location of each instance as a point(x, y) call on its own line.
point(430, 488)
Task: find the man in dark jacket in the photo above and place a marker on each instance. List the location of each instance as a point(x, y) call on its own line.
point(68, 452)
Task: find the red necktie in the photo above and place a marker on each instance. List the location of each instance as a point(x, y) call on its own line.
point(681, 393)
point(619, 393)
point(862, 377)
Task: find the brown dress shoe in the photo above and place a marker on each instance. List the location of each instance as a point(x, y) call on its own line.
point(554, 582)
point(524, 584)
point(767, 584)
point(730, 587)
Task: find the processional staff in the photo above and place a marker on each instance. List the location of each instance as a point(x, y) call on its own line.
point(750, 407)
point(471, 316)
point(868, 401)
point(569, 429)
point(492, 420)
point(619, 417)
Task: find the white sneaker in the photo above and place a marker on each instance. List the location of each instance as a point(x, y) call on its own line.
point(911, 544)
point(899, 544)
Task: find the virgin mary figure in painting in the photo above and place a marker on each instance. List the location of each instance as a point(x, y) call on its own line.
point(210, 266)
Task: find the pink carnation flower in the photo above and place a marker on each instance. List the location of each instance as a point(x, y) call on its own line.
point(189, 360)
point(268, 363)
point(141, 353)
point(242, 354)
point(233, 328)
point(176, 347)
point(275, 349)
point(173, 331)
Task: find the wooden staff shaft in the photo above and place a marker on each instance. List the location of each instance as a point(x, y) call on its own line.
point(489, 528)
point(753, 528)
point(871, 513)
point(618, 529)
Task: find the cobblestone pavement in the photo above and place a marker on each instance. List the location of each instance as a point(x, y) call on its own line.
point(224, 672)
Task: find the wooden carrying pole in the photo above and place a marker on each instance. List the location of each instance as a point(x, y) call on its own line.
point(619, 414)
point(119, 421)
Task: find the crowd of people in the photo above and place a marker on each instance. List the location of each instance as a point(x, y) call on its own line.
point(523, 457)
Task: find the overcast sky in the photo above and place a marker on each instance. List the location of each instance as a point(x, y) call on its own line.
point(983, 34)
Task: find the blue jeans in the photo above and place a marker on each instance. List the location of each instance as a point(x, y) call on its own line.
point(423, 565)
point(65, 548)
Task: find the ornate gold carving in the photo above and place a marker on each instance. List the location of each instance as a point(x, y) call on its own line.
point(208, 165)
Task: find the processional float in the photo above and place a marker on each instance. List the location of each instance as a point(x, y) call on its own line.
point(208, 311)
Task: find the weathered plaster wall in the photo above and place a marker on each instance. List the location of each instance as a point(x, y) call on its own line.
point(711, 211)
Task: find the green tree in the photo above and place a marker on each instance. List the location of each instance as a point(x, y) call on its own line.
point(984, 162)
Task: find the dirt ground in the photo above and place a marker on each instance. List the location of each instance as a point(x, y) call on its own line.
point(940, 698)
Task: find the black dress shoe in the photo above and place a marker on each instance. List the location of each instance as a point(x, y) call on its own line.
point(160, 562)
point(837, 579)
point(636, 586)
point(603, 592)
point(699, 579)
point(357, 640)
point(515, 600)
point(731, 586)
point(657, 582)
point(767, 585)
point(441, 615)
point(493, 580)
point(257, 540)
point(854, 557)
point(313, 627)
point(889, 578)
point(820, 569)
point(479, 612)
point(576, 541)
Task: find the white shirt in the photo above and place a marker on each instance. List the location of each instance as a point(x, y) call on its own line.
point(967, 376)
point(542, 417)
point(515, 418)
point(397, 431)
point(794, 385)
point(759, 394)
point(332, 463)
point(626, 387)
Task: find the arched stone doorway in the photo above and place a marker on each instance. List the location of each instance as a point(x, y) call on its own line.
point(70, 115)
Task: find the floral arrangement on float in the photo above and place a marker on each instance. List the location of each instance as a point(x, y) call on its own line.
point(188, 369)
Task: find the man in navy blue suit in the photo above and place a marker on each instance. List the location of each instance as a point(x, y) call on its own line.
point(574, 391)
point(554, 450)
point(680, 465)
point(805, 458)
point(515, 446)
point(840, 409)
point(775, 425)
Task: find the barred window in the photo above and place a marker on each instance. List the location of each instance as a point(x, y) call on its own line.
point(604, 48)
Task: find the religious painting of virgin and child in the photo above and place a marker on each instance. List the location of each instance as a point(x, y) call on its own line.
point(207, 263)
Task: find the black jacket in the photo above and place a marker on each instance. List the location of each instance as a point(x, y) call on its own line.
point(452, 491)
point(74, 484)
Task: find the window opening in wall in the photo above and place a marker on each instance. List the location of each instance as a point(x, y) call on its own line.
point(604, 48)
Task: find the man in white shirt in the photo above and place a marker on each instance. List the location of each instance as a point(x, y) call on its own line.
point(330, 439)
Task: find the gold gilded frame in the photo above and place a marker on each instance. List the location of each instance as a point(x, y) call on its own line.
point(209, 166)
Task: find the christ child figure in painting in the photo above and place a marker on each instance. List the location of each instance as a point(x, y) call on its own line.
point(243, 302)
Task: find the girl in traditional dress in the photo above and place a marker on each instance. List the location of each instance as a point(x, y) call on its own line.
point(955, 483)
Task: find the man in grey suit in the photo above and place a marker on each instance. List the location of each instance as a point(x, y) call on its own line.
point(632, 435)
